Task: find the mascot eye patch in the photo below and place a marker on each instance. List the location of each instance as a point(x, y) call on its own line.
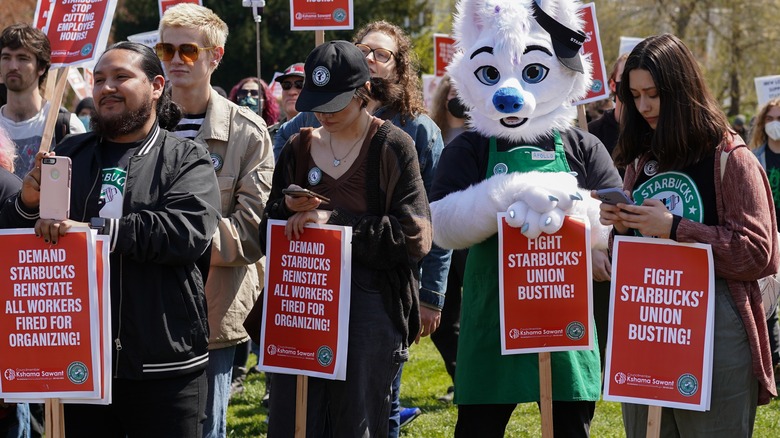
point(488, 75)
point(535, 73)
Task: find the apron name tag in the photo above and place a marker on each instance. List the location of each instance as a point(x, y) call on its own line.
point(543, 155)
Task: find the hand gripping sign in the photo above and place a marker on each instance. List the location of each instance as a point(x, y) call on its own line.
point(546, 289)
point(50, 329)
point(306, 301)
point(661, 307)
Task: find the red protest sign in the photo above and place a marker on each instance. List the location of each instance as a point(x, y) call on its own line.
point(48, 342)
point(599, 87)
point(443, 49)
point(41, 16)
point(306, 301)
point(165, 4)
point(545, 289)
point(78, 30)
point(321, 15)
point(662, 306)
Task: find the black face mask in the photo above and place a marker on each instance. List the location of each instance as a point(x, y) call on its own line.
point(456, 107)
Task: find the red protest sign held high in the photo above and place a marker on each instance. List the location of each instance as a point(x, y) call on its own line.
point(78, 30)
point(443, 49)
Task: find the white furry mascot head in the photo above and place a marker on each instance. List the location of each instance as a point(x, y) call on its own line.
point(518, 69)
point(519, 65)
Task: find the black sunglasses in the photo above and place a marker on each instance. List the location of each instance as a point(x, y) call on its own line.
point(244, 93)
point(289, 84)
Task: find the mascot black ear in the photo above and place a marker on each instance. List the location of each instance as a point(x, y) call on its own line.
point(566, 42)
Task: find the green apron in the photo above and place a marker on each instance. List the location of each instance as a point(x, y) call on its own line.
point(482, 374)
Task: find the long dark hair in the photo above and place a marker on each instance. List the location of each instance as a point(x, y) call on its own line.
point(690, 123)
point(168, 112)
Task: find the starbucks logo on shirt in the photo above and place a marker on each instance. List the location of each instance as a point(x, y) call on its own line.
point(677, 191)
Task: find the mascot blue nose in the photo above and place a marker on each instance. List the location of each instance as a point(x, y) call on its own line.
point(508, 100)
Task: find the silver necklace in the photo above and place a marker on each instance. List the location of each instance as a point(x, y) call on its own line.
point(337, 161)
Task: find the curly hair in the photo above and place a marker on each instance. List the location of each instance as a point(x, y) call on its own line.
point(406, 67)
point(271, 110)
point(758, 137)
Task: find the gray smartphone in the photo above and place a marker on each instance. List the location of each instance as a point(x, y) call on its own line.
point(614, 196)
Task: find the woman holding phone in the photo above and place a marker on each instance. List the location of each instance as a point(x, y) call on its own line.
point(673, 132)
point(368, 169)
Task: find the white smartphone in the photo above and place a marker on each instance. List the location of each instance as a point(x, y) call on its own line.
point(55, 188)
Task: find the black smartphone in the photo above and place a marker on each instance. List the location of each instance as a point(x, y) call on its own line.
point(614, 196)
point(306, 193)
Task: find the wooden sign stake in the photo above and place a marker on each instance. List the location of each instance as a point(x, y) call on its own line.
point(545, 394)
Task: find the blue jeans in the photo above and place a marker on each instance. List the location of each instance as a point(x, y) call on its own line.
point(219, 374)
point(395, 405)
point(21, 427)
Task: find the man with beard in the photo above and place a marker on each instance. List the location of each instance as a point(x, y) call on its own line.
point(192, 41)
point(25, 57)
point(153, 195)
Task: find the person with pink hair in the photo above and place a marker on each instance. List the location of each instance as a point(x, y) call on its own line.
point(256, 94)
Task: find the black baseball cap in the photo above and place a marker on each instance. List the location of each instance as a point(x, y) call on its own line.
point(334, 71)
point(566, 42)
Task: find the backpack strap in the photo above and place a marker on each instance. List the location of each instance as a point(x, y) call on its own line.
point(301, 144)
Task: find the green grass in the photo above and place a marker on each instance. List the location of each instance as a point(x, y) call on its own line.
point(424, 380)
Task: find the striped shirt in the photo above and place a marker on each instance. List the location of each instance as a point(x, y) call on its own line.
point(189, 125)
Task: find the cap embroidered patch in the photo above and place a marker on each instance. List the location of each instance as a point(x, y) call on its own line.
point(320, 76)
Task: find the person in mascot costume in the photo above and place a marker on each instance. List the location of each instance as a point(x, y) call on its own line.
point(518, 69)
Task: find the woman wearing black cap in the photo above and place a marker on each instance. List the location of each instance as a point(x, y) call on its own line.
point(369, 170)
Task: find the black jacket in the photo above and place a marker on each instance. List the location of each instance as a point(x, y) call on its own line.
point(159, 322)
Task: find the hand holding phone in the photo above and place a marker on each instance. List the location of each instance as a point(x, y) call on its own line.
point(55, 188)
point(305, 193)
point(614, 196)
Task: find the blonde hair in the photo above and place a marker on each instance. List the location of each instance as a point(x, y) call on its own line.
point(192, 16)
point(757, 134)
point(7, 151)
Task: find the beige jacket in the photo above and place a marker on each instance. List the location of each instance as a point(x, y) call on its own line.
point(240, 148)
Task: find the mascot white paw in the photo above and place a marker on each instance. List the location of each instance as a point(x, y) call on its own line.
point(535, 202)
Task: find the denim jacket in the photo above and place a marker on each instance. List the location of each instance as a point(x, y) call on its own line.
point(429, 144)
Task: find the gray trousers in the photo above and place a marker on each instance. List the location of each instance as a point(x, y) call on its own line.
point(734, 388)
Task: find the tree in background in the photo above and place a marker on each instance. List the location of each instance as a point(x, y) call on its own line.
point(733, 40)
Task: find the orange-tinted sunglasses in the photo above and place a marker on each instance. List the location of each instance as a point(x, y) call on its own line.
point(188, 52)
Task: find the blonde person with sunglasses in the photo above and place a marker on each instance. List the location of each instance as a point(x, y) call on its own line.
point(192, 41)
point(393, 68)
